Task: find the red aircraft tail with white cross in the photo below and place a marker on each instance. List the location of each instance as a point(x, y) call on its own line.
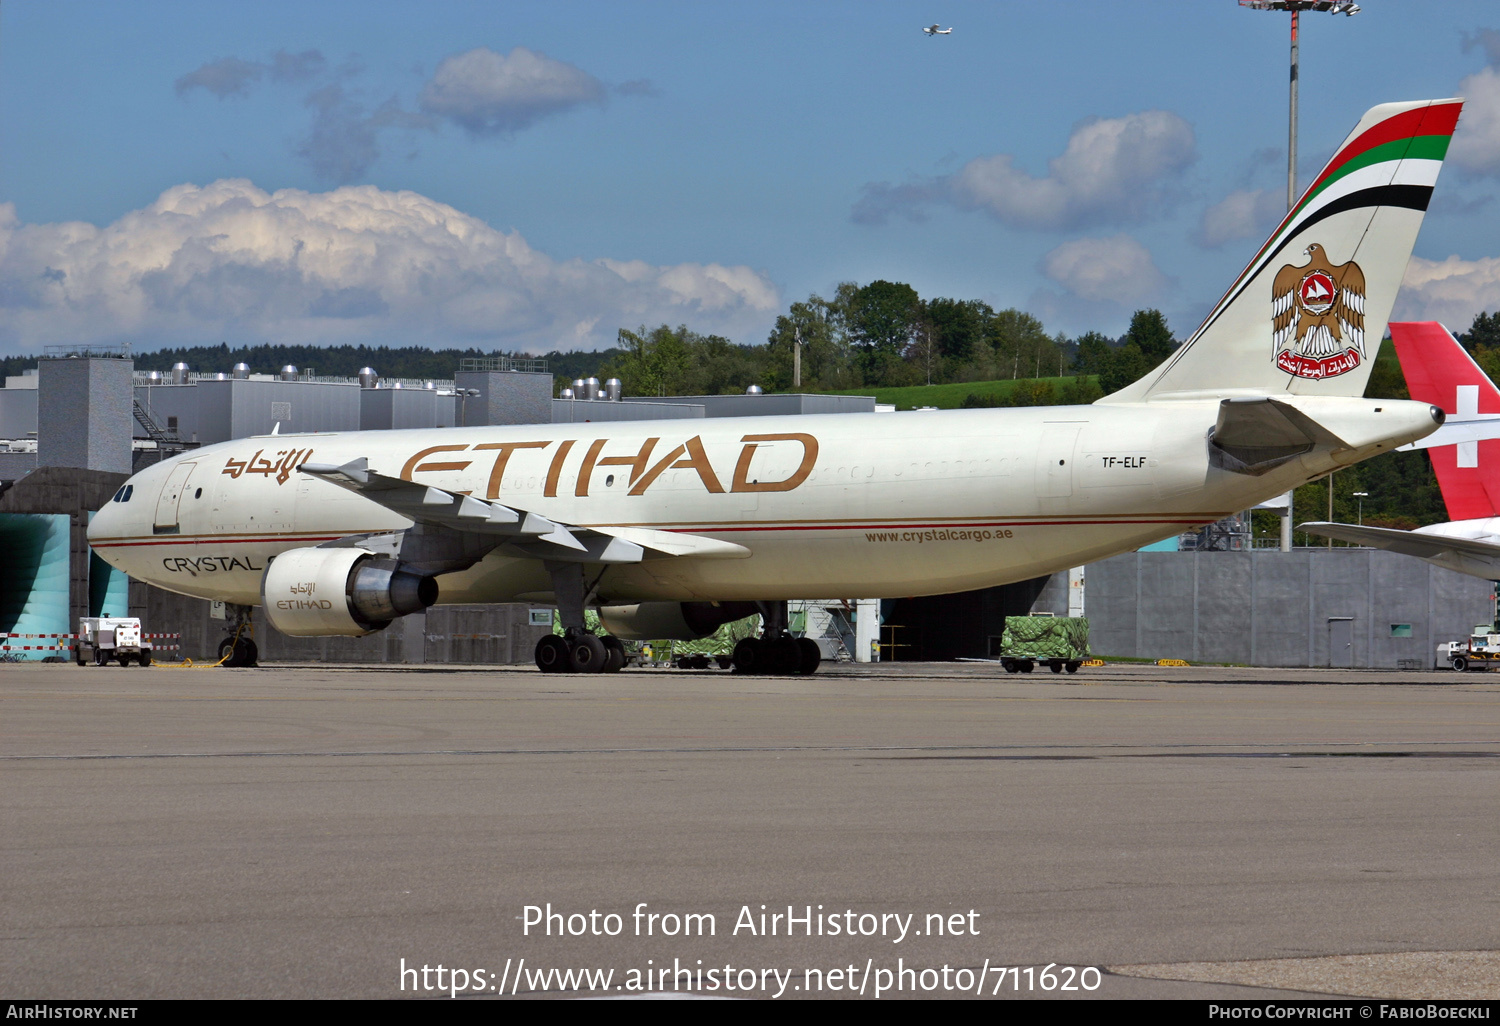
point(1465, 453)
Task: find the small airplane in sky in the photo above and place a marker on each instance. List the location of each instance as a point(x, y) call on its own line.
point(933, 30)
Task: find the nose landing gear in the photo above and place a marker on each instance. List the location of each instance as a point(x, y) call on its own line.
point(239, 649)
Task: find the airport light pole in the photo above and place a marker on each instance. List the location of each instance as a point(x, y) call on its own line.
point(1361, 496)
point(1347, 8)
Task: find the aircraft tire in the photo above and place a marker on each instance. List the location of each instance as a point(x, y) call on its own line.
point(781, 656)
point(747, 656)
point(552, 654)
point(587, 654)
point(250, 652)
point(614, 655)
point(811, 656)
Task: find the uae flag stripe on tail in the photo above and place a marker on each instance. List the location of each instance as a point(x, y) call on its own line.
point(1392, 163)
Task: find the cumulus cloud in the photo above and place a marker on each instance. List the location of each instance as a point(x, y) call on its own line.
point(1476, 143)
point(233, 76)
point(1117, 269)
point(229, 260)
point(1246, 213)
point(1114, 170)
point(1451, 290)
point(489, 93)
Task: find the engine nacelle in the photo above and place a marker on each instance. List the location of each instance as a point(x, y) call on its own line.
point(314, 593)
point(681, 621)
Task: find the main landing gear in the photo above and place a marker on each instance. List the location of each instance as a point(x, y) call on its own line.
point(578, 650)
point(776, 651)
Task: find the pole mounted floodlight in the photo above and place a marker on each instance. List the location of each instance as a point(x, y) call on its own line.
point(1361, 496)
point(1296, 7)
point(1347, 8)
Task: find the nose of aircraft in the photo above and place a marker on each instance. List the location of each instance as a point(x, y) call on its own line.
point(108, 522)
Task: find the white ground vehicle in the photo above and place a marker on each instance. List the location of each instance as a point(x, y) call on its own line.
point(112, 637)
point(1479, 652)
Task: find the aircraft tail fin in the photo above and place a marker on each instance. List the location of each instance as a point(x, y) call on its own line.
point(1307, 314)
point(1440, 372)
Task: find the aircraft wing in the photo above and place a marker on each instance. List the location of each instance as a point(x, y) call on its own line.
point(1407, 543)
point(533, 533)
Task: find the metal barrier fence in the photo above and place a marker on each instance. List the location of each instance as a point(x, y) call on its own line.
point(71, 640)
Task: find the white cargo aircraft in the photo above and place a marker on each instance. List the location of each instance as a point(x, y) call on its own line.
point(671, 527)
point(1465, 455)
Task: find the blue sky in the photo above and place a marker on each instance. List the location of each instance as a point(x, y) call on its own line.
point(531, 176)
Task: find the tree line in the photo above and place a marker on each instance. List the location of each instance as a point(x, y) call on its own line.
point(884, 335)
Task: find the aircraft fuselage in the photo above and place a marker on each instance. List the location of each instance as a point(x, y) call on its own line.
point(868, 505)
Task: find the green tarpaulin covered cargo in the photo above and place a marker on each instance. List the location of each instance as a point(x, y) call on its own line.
point(1046, 637)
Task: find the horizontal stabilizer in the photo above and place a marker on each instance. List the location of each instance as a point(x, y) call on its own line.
point(1253, 435)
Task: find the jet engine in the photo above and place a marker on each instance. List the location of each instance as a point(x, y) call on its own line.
point(310, 593)
point(683, 621)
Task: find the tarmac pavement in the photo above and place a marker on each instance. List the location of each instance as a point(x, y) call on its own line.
point(298, 831)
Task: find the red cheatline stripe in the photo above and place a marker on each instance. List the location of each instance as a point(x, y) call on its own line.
point(963, 527)
point(215, 539)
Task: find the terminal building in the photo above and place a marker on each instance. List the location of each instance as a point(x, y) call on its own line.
point(73, 430)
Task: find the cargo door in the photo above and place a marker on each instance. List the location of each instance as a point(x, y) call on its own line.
point(1054, 469)
point(171, 495)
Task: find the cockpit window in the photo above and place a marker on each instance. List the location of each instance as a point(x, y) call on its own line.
point(123, 495)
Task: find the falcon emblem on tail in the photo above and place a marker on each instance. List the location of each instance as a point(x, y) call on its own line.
point(1318, 317)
